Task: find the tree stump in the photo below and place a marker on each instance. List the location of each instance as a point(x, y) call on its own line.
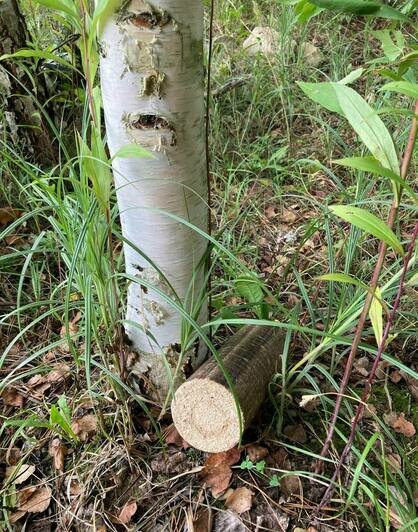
point(204, 409)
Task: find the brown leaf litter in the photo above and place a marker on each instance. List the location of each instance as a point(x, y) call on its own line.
point(172, 437)
point(85, 427)
point(57, 450)
point(295, 433)
point(18, 474)
point(239, 500)
point(217, 472)
point(400, 424)
point(32, 499)
point(127, 512)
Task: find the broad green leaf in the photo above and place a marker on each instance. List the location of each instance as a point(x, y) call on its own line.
point(322, 93)
point(343, 278)
point(65, 409)
point(65, 6)
point(391, 49)
point(352, 76)
point(363, 119)
point(306, 10)
point(61, 415)
point(96, 166)
point(249, 288)
point(367, 164)
point(104, 9)
point(403, 87)
point(413, 281)
point(132, 150)
point(67, 9)
point(368, 125)
point(372, 165)
point(360, 7)
point(407, 61)
point(40, 54)
point(368, 222)
point(349, 279)
point(376, 316)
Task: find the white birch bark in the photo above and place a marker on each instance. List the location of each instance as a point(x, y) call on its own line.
point(152, 86)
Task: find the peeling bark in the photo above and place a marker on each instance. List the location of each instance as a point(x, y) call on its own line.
point(17, 106)
point(153, 87)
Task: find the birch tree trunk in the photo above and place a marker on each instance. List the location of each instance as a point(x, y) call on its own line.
point(153, 95)
point(19, 118)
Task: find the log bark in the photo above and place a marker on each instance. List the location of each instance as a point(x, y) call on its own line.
point(20, 120)
point(204, 409)
point(153, 95)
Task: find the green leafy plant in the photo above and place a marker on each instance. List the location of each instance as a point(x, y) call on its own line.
point(60, 418)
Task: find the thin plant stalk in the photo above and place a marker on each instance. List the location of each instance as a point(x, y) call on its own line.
point(368, 386)
point(369, 297)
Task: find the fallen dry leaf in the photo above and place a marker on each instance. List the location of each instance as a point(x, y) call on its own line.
point(256, 452)
point(8, 214)
point(395, 376)
point(288, 216)
point(172, 437)
point(400, 424)
point(217, 478)
point(240, 500)
point(381, 369)
point(12, 456)
point(14, 517)
point(269, 517)
point(217, 472)
point(11, 397)
point(270, 212)
point(57, 451)
point(58, 373)
point(74, 487)
point(280, 458)
point(39, 384)
point(369, 411)
point(228, 522)
point(229, 458)
point(14, 240)
point(72, 330)
point(171, 462)
point(127, 512)
point(362, 366)
point(85, 427)
point(19, 473)
point(203, 521)
point(34, 499)
point(291, 485)
point(295, 433)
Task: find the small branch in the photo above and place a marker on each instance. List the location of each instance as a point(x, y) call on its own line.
point(369, 297)
point(368, 386)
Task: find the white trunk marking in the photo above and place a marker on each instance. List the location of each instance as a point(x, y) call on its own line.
point(152, 85)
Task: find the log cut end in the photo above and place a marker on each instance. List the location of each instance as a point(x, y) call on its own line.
point(205, 414)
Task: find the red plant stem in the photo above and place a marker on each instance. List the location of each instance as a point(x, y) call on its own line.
point(368, 386)
point(369, 297)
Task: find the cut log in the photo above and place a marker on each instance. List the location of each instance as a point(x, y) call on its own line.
point(204, 409)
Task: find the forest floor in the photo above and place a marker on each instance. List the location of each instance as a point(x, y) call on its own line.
point(76, 455)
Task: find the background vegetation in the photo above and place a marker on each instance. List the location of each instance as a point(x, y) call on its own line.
point(87, 444)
